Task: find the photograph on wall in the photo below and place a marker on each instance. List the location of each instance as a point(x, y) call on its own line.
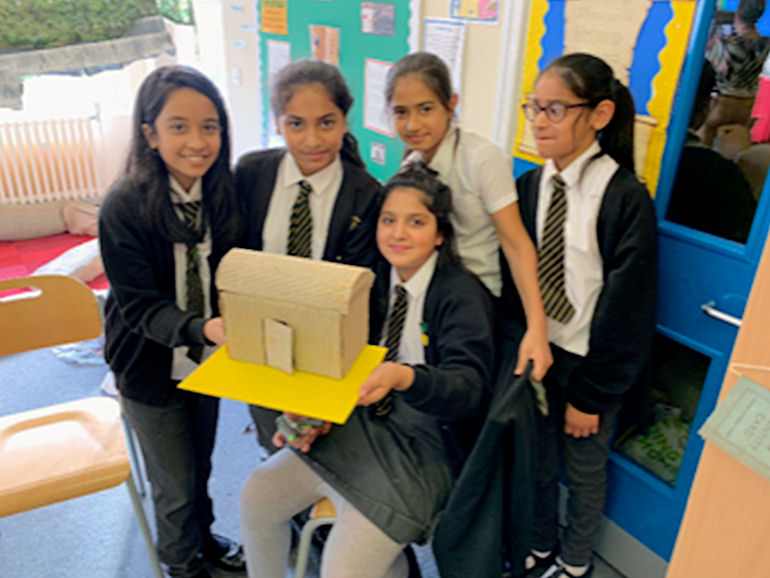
point(378, 18)
point(325, 44)
point(376, 115)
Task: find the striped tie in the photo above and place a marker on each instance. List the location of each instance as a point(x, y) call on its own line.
point(192, 276)
point(550, 267)
point(301, 224)
point(392, 341)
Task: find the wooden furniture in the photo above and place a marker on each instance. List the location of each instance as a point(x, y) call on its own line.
point(728, 512)
point(64, 451)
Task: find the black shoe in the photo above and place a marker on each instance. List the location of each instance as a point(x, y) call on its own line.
point(411, 560)
point(202, 574)
point(224, 553)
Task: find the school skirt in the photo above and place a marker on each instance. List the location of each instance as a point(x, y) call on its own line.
point(394, 470)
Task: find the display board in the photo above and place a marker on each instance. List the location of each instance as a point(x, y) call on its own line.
point(645, 41)
point(363, 39)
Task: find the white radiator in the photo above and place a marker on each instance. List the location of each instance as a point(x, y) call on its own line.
point(49, 160)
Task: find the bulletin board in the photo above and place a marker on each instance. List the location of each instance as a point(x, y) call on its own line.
point(363, 39)
point(645, 41)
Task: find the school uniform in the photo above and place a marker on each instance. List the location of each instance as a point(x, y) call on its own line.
point(603, 352)
point(398, 470)
point(147, 336)
point(345, 205)
point(347, 229)
point(479, 175)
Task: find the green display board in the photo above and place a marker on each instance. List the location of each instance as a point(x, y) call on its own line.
point(356, 47)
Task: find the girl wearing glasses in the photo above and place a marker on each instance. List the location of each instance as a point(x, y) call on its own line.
point(485, 214)
point(594, 225)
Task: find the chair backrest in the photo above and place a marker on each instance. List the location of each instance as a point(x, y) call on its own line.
point(44, 311)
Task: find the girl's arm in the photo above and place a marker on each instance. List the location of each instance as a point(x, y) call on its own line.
point(460, 354)
point(521, 257)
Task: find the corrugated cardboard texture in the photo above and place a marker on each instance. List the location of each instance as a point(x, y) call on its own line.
point(325, 304)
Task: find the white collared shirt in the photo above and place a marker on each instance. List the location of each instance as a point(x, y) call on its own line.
point(480, 176)
point(587, 182)
point(411, 349)
point(326, 184)
point(182, 365)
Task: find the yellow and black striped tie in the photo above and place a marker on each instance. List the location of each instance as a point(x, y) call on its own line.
point(393, 334)
point(192, 275)
point(550, 266)
point(300, 241)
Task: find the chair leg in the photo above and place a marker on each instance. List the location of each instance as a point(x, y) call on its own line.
point(142, 519)
point(305, 539)
point(136, 463)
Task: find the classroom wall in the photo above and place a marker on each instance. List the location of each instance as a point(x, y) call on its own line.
point(483, 43)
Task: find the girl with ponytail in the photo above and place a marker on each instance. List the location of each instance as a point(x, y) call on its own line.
point(593, 223)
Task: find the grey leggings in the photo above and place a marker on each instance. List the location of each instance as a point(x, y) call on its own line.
point(283, 486)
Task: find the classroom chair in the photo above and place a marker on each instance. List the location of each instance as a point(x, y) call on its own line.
point(64, 451)
point(322, 514)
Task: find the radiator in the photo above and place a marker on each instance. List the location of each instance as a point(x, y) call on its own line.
point(49, 160)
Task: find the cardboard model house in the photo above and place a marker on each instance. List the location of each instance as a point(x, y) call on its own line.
point(294, 313)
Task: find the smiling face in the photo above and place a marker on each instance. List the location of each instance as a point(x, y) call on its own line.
point(187, 135)
point(420, 117)
point(567, 139)
point(313, 127)
point(407, 232)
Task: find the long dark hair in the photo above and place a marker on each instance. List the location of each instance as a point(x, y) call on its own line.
point(146, 170)
point(591, 79)
point(432, 72)
point(437, 197)
point(327, 75)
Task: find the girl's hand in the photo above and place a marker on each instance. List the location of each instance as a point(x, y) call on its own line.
point(304, 440)
point(385, 377)
point(579, 424)
point(214, 330)
point(534, 346)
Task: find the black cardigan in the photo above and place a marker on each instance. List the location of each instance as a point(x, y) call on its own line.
point(455, 382)
point(623, 324)
point(351, 235)
point(142, 321)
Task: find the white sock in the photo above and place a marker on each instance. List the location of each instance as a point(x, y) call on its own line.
point(574, 570)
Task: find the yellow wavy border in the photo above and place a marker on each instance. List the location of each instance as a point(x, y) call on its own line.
point(534, 50)
point(664, 85)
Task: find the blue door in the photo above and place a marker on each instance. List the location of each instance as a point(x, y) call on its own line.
point(713, 221)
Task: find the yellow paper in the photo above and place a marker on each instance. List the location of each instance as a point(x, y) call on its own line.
point(303, 393)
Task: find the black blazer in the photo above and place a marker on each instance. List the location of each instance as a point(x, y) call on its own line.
point(353, 225)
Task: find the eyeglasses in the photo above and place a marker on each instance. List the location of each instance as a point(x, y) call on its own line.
point(555, 111)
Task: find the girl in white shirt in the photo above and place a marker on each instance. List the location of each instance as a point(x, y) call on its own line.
point(485, 215)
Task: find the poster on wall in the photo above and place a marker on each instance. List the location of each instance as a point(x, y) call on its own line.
point(378, 18)
point(628, 36)
point(446, 39)
point(479, 11)
point(376, 115)
point(278, 56)
point(325, 44)
point(274, 17)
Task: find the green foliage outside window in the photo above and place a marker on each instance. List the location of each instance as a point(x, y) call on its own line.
point(30, 24)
